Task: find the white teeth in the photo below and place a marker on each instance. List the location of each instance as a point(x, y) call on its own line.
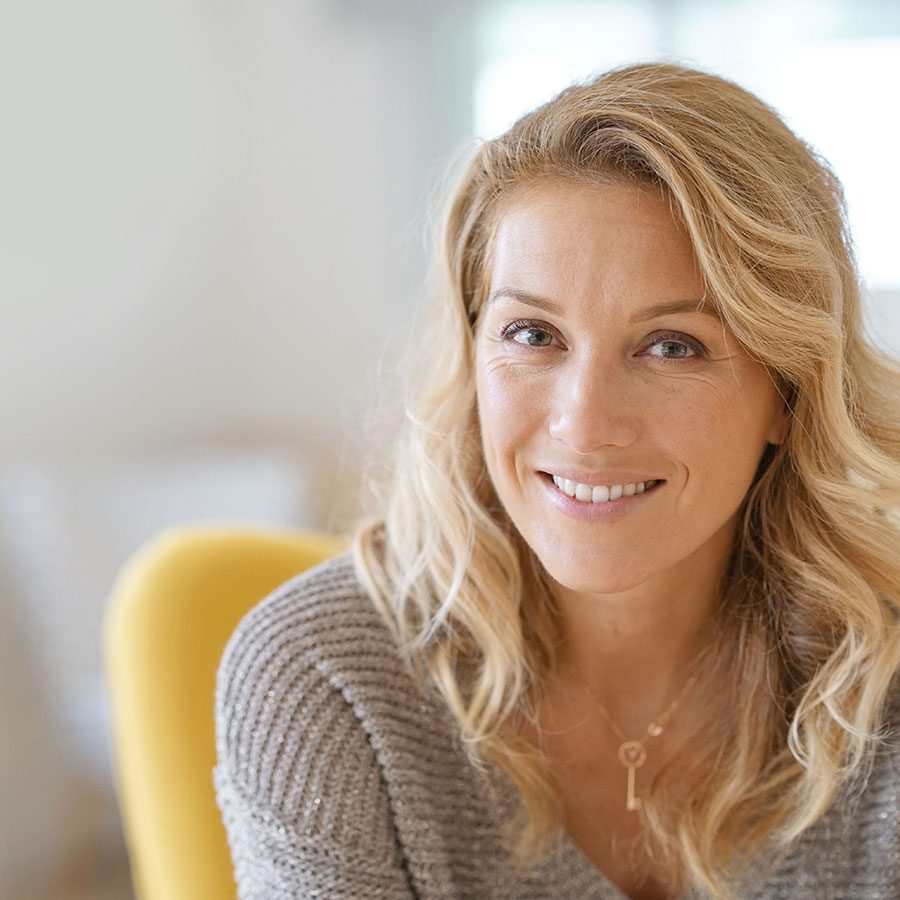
point(582, 492)
point(600, 493)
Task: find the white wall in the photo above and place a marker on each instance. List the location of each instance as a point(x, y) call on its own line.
point(211, 215)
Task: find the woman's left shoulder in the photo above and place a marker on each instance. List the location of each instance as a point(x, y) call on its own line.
point(882, 783)
point(887, 751)
point(873, 810)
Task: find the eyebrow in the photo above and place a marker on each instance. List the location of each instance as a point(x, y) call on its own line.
point(651, 312)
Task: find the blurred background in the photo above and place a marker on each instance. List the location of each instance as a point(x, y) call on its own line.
point(212, 241)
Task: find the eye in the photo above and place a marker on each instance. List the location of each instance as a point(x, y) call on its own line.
point(535, 334)
point(675, 347)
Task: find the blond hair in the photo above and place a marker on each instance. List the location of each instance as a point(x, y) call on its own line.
point(810, 612)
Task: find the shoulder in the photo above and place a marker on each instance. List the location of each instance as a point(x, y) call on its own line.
point(312, 659)
point(855, 847)
point(297, 777)
point(318, 629)
point(288, 739)
point(321, 619)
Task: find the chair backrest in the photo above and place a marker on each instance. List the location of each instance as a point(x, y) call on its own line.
point(172, 609)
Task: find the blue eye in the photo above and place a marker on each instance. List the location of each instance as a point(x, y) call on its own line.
point(528, 328)
point(681, 347)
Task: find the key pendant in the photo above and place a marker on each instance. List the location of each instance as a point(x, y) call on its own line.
point(632, 755)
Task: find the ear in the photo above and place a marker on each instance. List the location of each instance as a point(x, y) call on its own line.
point(778, 428)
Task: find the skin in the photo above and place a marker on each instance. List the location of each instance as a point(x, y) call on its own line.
point(584, 388)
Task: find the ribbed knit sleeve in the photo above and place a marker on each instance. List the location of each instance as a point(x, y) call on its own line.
point(300, 790)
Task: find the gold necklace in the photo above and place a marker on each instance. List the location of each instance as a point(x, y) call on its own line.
point(632, 752)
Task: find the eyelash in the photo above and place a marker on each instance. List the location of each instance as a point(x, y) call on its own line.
point(676, 337)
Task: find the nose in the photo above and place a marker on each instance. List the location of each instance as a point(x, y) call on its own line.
point(594, 404)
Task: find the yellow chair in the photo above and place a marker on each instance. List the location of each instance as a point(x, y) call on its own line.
point(171, 611)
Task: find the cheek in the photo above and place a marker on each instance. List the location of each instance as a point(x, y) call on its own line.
point(507, 415)
point(719, 434)
point(685, 416)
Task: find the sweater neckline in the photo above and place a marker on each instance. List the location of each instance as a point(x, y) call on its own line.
point(574, 858)
point(569, 859)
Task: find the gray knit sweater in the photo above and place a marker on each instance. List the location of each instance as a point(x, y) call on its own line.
point(339, 776)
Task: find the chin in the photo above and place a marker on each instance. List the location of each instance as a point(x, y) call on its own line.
point(591, 577)
point(608, 586)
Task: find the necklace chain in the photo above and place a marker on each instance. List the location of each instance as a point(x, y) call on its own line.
point(632, 752)
point(655, 728)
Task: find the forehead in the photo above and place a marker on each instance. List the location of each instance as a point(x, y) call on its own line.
point(557, 209)
point(572, 239)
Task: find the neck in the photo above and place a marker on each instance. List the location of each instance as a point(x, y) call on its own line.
point(635, 651)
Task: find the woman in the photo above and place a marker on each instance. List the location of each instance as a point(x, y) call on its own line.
point(627, 624)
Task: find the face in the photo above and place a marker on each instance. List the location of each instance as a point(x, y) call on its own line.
point(596, 376)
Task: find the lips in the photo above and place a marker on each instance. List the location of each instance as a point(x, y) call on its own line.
point(607, 507)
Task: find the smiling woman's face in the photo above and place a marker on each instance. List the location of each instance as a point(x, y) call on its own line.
point(583, 374)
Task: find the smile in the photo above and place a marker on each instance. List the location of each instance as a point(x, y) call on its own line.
point(601, 493)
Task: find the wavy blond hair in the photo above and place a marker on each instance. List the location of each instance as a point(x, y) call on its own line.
point(809, 628)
